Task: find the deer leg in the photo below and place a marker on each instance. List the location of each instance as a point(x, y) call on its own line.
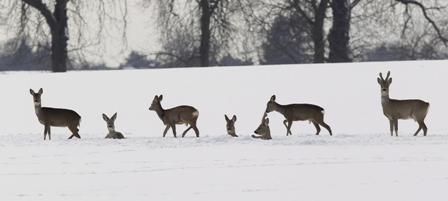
point(49, 132)
point(419, 128)
point(45, 131)
point(317, 127)
point(285, 122)
point(396, 127)
point(166, 130)
point(74, 131)
point(425, 129)
point(288, 128)
point(186, 130)
point(391, 124)
point(196, 130)
point(174, 130)
point(320, 121)
point(326, 126)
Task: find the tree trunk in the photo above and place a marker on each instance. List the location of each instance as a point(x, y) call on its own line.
point(58, 53)
point(204, 49)
point(59, 38)
point(318, 32)
point(57, 23)
point(339, 32)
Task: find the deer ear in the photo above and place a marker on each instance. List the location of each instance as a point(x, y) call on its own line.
point(32, 92)
point(227, 118)
point(273, 98)
point(113, 117)
point(234, 118)
point(41, 91)
point(105, 117)
point(160, 97)
point(390, 81)
point(378, 80)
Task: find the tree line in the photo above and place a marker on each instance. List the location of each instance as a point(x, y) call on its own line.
point(51, 34)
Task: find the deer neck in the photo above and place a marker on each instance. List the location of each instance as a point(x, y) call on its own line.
point(385, 99)
point(160, 111)
point(280, 108)
point(38, 108)
point(111, 130)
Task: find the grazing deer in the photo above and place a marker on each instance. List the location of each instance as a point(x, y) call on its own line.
point(178, 115)
point(263, 131)
point(111, 127)
point(57, 117)
point(401, 109)
point(299, 112)
point(231, 126)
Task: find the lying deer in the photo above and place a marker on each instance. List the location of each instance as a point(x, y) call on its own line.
point(401, 109)
point(111, 127)
point(231, 126)
point(299, 112)
point(178, 115)
point(57, 117)
point(263, 131)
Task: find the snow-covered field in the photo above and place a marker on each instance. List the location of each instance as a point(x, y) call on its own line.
point(360, 162)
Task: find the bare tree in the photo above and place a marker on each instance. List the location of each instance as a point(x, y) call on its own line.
point(312, 14)
point(424, 9)
point(61, 19)
point(315, 13)
point(209, 21)
point(401, 30)
point(287, 41)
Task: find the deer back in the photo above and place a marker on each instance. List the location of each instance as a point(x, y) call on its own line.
point(296, 112)
point(405, 109)
point(58, 117)
point(183, 114)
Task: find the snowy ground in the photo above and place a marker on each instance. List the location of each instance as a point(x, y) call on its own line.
point(360, 162)
point(344, 167)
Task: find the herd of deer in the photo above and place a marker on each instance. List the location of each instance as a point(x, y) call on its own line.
point(393, 109)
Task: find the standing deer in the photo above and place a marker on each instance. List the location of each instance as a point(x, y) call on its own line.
point(299, 112)
point(113, 134)
point(401, 109)
point(178, 115)
point(231, 126)
point(263, 131)
point(57, 117)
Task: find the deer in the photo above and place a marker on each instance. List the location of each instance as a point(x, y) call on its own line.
point(183, 114)
point(231, 125)
point(395, 109)
point(263, 131)
point(113, 134)
point(299, 112)
point(57, 117)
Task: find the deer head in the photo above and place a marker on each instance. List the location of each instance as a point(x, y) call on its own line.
point(110, 122)
point(36, 96)
point(384, 83)
point(230, 125)
point(271, 104)
point(263, 128)
point(155, 105)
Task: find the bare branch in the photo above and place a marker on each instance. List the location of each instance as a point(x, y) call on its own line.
point(43, 9)
point(429, 19)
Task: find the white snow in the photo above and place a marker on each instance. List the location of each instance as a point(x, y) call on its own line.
point(360, 162)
